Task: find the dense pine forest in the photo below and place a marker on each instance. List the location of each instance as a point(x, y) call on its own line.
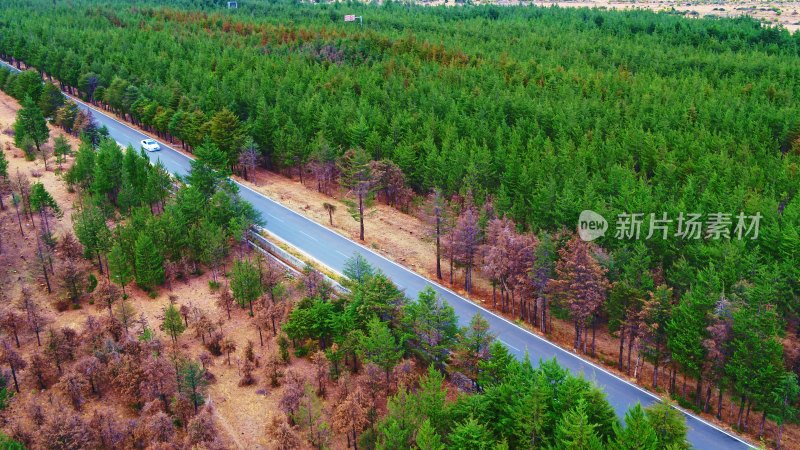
point(499, 126)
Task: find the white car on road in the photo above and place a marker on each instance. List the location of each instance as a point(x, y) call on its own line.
point(150, 145)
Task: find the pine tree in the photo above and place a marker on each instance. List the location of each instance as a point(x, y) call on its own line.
point(576, 432)
point(357, 269)
point(119, 267)
point(149, 265)
point(466, 237)
point(427, 438)
point(436, 212)
point(431, 398)
point(474, 342)
point(193, 382)
point(471, 434)
point(668, 423)
point(581, 285)
point(246, 284)
point(358, 178)
point(637, 434)
point(172, 323)
point(227, 135)
point(61, 149)
point(379, 346)
point(656, 315)
point(431, 326)
point(784, 399)
point(50, 100)
point(92, 231)
point(309, 416)
point(209, 170)
point(3, 177)
point(42, 202)
point(30, 124)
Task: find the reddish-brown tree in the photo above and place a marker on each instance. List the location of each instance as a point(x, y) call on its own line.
point(70, 247)
point(73, 386)
point(718, 347)
point(109, 431)
point(68, 427)
point(41, 371)
point(273, 368)
point(225, 300)
point(321, 370)
point(436, 214)
point(12, 323)
point(247, 368)
point(106, 295)
point(280, 434)
point(293, 390)
point(580, 285)
point(36, 318)
point(228, 346)
point(95, 373)
point(202, 428)
point(14, 361)
point(350, 416)
point(465, 239)
point(160, 380)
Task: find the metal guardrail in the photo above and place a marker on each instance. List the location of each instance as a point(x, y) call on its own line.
point(293, 262)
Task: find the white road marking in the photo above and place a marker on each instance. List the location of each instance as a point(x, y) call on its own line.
point(308, 236)
point(507, 344)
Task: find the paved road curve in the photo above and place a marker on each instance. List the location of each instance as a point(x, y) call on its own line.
point(333, 250)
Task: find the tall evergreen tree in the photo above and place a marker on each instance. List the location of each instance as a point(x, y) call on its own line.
point(246, 284)
point(30, 124)
point(637, 434)
point(227, 135)
point(359, 180)
point(149, 263)
point(379, 346)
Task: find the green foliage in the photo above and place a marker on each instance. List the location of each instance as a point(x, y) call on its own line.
point(119, 266)
point(357, 270)
point(50, 100)
point(6, 394)
point(91, 229)
point(172, 323)
point(209, 170)
point(427, 438)
point(576, 432)
point(193, 383)
point(470, 434)
point(431, 326)
point(31, 125)
point(61, 149)
point(149, 263)
point(246, 283)
point(283, 348)
point(92, 283)
point(380, 346)
point(6, 443)
point(40, 198)
point(637, 433)
point(668, 423)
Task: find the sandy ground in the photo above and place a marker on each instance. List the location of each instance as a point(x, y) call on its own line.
point(783, 13)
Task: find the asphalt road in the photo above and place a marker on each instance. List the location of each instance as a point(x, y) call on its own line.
point(332, 249)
